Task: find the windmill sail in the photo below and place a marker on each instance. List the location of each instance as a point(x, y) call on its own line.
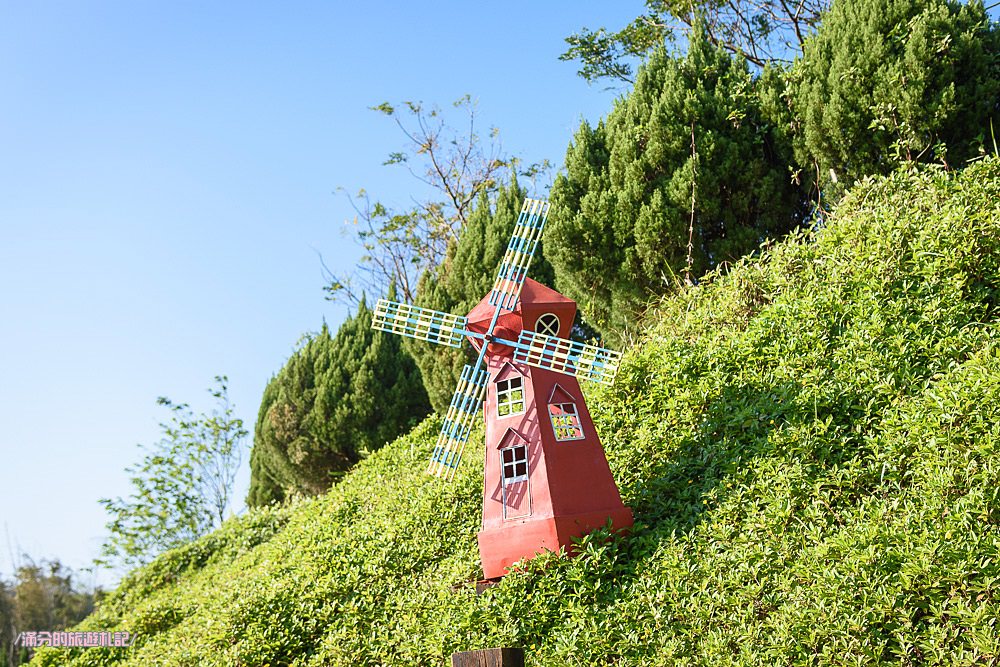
point(520, 250)
point(420, 323)
point(464, 409)
point(535, 349)
point(587, 362)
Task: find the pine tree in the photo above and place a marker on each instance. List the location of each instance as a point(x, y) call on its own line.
point(687, 156)
point(884, 81)
point(337, 399)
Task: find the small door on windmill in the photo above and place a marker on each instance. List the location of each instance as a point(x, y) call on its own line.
point(515, 485)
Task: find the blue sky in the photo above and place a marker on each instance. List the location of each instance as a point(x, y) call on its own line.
point(167, 177)
point(168, 173)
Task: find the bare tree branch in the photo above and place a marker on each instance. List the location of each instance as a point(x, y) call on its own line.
point(759, 31)
point(400, 245)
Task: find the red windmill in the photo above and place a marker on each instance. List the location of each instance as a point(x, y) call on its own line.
point(546, 477)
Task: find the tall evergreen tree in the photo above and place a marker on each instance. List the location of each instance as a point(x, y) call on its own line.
point(884, 81)
point(463, 279)
point(336, 399)
point(686, 157)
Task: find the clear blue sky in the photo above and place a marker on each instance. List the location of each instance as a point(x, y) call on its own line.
point(167, 174)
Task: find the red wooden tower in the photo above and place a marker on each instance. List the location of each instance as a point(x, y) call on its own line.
point(546, 478)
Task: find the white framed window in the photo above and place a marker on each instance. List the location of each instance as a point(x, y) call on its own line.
point(547, 324)
point(565, 421)
point(514, 461)
point(510, 397)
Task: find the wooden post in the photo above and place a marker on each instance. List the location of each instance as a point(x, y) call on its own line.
point(483, 584)
point(490, 657)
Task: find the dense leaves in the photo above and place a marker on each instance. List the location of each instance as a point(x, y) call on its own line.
point(809, 443)
point(888, 80)
point(336, 399)
point(691, 135)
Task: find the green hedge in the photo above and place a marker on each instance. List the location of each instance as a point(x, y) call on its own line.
point(809, 444)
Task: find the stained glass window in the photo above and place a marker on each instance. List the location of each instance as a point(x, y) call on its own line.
point(565, 421)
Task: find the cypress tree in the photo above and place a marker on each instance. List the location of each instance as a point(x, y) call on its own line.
point(619, 226)
point(337, 399)
point(885, 81)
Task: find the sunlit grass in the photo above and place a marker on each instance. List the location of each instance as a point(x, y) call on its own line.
point(809, 444)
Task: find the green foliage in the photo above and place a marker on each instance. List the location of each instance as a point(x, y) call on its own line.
point(42, 596)
point(336, 399)
point(621, 215)
point(182, 487)
point(761, 32)
point(809, 443)
point(463, 279)
point(884, 81)
point(8, 629)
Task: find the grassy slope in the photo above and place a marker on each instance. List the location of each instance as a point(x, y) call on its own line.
point(809, 445)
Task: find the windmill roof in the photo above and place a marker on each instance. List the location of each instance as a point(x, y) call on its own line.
point(535, 292)
point(532, 292)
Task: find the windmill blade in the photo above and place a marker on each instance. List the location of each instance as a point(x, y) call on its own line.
point(463, 411)
point(587, 362)
point(520, 250)
point(419, 323)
